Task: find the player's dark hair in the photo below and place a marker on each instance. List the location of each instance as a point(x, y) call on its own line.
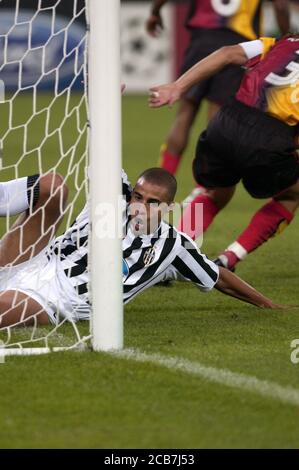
point(291, 35)
point(163, 178)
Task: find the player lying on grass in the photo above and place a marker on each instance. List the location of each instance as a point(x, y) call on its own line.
point(252, 138)
point(45, 279)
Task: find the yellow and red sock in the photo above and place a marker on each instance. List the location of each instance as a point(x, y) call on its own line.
point(268, 221)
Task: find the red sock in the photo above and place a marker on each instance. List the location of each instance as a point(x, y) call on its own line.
point(192, 223)
point(169, 161)
point(272, 218)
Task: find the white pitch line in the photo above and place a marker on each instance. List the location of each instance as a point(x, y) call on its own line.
point(226, 377)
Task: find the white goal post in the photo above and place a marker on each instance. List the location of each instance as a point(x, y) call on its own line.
point(105, 165)
point(81, 126)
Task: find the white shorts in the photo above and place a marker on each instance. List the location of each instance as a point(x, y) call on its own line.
point(43, 279)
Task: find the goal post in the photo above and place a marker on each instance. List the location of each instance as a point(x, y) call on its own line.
point(60, 102)
point(105, 169)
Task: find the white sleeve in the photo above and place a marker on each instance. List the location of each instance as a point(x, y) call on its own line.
point(252, 48)
point(126, 186)
point(194, 266)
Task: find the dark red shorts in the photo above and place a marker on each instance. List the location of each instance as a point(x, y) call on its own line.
point(243, 143)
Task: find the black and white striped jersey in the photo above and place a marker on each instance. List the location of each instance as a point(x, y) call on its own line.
point(147, 259)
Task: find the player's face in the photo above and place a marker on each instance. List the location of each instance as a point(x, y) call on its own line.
point(148, 204)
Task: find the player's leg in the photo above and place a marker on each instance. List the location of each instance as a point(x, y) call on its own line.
point(289, 199)
point(200, 213)
point(17, 308)
point(222, 87)
point(213, 109)
point(176, 142)
point(14, 196)
point(270, 169)
point(35, 227)
point(270, 220)
point(216, 90)
point(212, 168)
point(177, 139)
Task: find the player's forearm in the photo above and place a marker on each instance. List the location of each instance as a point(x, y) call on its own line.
point(172, 92)
point(211, 65)
point(156, 6)
point(282, 12)
point(230, 284)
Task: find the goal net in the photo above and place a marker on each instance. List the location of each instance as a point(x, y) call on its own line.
point(44, 135)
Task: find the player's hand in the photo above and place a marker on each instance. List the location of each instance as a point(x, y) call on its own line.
point(154, 25)
point(275, 306)
point(164, 94)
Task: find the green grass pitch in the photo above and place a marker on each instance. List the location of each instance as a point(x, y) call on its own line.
point(93, 400)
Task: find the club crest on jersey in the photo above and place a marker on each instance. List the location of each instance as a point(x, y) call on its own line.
point(125, 269)
point(149, 256)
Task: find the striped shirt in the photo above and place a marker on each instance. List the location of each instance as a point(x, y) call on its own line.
point(147, 259)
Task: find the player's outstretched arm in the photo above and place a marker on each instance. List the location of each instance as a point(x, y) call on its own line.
point(172, 92)
point(230, 284)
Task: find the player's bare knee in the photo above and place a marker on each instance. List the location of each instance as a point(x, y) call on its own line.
point(53, 190)
point(5, 309)
point(3, 305)
point(221, 196)
point(291, 194)
point(179, 135)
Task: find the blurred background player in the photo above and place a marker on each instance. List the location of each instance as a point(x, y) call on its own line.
point(212, 24)
point(253, 138)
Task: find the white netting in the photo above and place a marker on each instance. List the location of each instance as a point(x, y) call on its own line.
point(43, 130)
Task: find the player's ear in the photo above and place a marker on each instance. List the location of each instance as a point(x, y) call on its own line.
point(171, 206)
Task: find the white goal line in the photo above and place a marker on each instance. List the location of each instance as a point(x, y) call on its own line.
point(265, 388)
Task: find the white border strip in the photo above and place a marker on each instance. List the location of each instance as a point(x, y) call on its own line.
point(225, 377)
